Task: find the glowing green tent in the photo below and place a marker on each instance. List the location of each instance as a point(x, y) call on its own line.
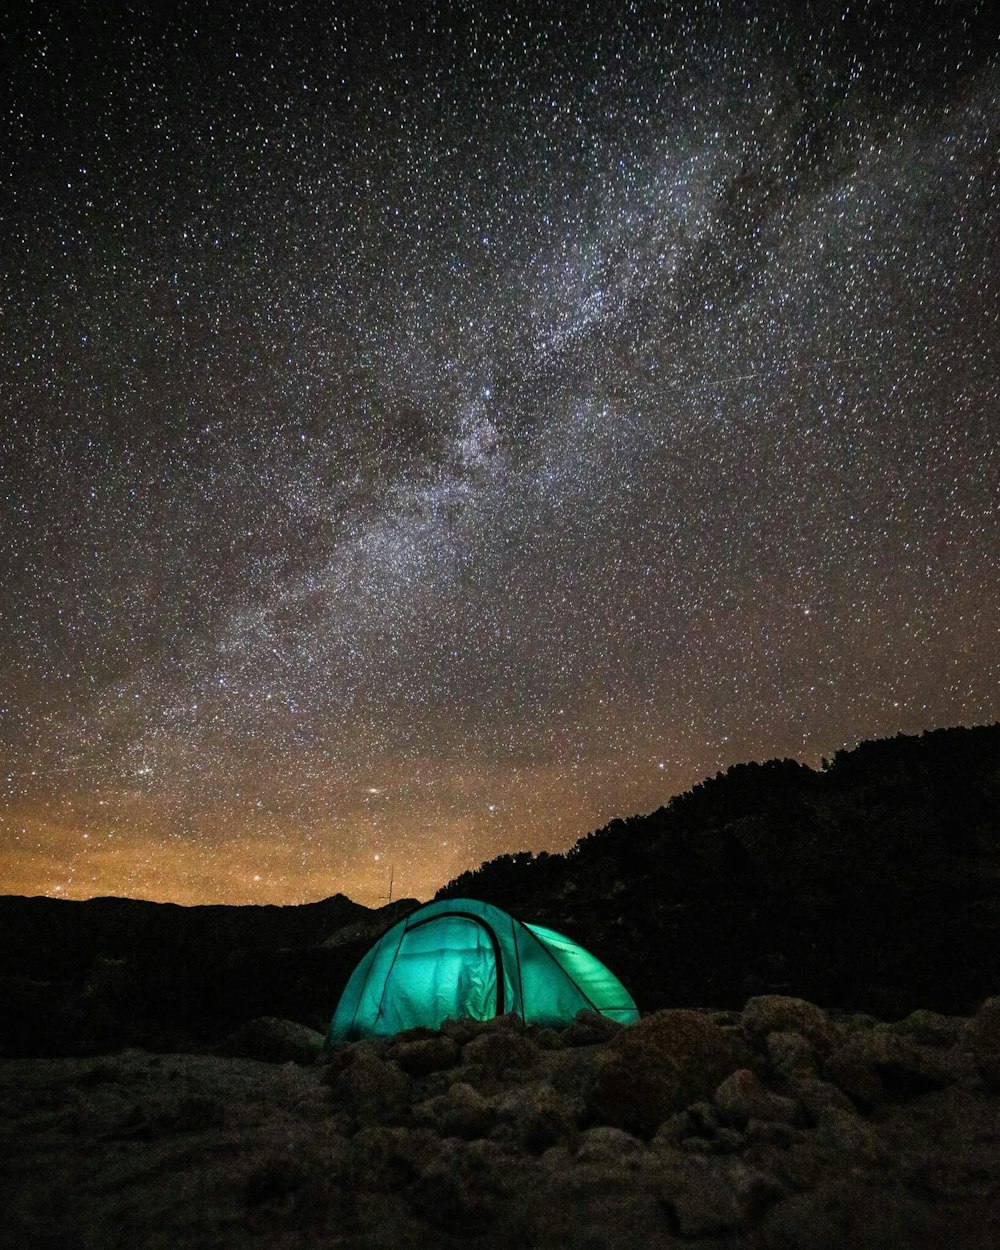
point(461, 958)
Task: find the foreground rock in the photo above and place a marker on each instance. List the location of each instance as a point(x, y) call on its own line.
point(782, 1126)
point(662, 1064)
point(273, 1041)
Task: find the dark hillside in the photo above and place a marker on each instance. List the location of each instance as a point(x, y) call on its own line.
point(83, 977)
point(873, 884)
point(60, 938)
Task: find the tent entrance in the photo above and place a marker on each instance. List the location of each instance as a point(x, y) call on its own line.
point(446, 967)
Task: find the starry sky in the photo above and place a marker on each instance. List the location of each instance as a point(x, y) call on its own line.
point(433, 431)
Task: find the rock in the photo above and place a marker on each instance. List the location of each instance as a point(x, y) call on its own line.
point(672, 1131)
point(371, 1088)
point(196, 1113)
point(556, 1159)
point(590, 1028)
point(425, 1055)
point(984, 1041)
point(846, 1213)
point(929, 1028)
point(498, 1052)
point(776, 1013)
point(464, 1029)
point(793, 1157)
point(696, 1128)
point(386, 1159)
point(418, 1033)
point(272, 1040)
point(741, 1097)
point(537, 1116)
point(598, 1145)
point(728, 1140)
point(601, 1200)
point(877, 1066)
point(848, 1022)
point(660, 1066)
point(549, 1039)
point(272, 1179)
point(851, 1069)
point(791, 1054)
point(461, 1112)
point(205, 1150)
point(819, 1098)
point(714, 1196)
point(459, 1189)
point(772, 1132)
point(703, 1118)
point(855, 1138)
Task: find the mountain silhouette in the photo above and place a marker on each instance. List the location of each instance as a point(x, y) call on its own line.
point(871, 884)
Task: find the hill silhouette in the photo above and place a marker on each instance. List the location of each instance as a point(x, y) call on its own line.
point(872, 884)
point(84, 977)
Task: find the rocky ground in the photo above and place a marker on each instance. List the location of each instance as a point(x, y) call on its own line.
point(778, 1126)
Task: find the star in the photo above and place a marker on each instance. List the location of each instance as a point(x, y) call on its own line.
point(415, 429)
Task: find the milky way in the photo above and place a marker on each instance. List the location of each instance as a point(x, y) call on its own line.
point(429, 434)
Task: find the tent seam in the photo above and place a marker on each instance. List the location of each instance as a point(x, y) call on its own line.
point(517, 960)
point(385, 982)
point(572, 980)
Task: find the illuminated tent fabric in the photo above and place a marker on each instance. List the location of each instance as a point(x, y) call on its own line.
point(461, 958)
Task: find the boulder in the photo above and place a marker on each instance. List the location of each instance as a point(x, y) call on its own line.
point(606, 1197)
point(604, 1143)
point(700, 1121)
point(878, 1066)
point(710, 1197)
point(857, 1139)
point(848, 1213)
point(769, 1132)
point(742, 1097)
point(661, 1065)
point(461, 1189)
point(674, 1129)
point(272, 1179)
point(497, 1052)
point(425, 1055)
point(820, 1099)
point(791, 1054)
point(372, 1089)
point(537, 1116)
point(776, 1013)
point(460, 1112)
point(272, 1040)
point(464, 1029)
point(549, 1039)
point(984, 1041)
point(590, 1028)
point(386, 1159)
point(929, 1028)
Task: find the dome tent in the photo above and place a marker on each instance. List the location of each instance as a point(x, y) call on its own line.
point(462, 958)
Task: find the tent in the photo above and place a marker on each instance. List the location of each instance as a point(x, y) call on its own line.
point(462, 958)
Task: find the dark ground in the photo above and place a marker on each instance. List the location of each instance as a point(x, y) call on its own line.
point(779, 1127)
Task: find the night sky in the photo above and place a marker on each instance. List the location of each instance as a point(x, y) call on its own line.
point(432, 432)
